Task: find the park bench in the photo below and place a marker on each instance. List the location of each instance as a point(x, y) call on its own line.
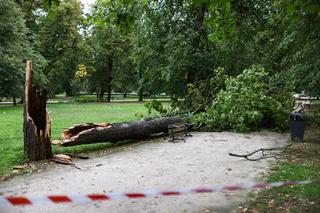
point(178, 131)
point(306, 104)
point(298, 108)
point(301, 106)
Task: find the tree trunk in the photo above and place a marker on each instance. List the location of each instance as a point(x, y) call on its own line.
point(125, 94)
point(140, 94)
point(106, 132)
point(140, 89)
point(200, 12)
point(110, 67)
point(14, 101)
point(140, 75)
point(21, 100)
point(109, 91)
point(101, 94)
point(68, 89)
point(37, 123)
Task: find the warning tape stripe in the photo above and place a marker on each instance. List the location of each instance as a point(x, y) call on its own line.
point(60, 199)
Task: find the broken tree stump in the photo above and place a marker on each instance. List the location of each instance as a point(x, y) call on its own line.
point(37, 123)
point(106, 132)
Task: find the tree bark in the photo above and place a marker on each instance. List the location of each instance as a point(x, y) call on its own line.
point(109, 88)
point(198, 25)
point(37, 123)
point(200, 12)
point(140, 89)
point(101, 95)
point(21, 100)
point(140, 75)
point(106, 132)
point(68, 89)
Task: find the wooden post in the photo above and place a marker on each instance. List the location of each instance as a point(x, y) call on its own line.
point(37, 123)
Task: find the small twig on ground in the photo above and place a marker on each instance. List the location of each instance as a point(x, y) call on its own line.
point(75, 166)
point(217, 140)
point(67, 160)
point(78, 156)
point(262, 150)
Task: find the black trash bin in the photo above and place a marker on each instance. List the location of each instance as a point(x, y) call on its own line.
point(297, 124)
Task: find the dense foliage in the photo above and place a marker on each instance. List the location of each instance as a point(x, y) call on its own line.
point(61, 45)
point(165, 47)
point(203, 93)
point(15, 49)
point(248, 103)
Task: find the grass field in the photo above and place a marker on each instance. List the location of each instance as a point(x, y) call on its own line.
point(62, 115)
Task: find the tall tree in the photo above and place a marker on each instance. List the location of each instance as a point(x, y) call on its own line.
point(112, 36)
point(15, 49)
point(61, 44)
point(296, 51)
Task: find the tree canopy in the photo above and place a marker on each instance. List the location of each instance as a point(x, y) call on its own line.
point(15, 48)
point(153, 47)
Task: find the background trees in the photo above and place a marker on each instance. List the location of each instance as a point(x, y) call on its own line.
point(61, 44)
point(153, 47)
point(15, 48)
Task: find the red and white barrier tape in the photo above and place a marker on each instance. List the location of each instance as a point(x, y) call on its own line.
point(58, 199)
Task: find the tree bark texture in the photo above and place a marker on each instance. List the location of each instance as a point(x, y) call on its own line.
point(198, 25)
point(110, 67)
point(200, 12)
point(37, 123)
point(106, 132)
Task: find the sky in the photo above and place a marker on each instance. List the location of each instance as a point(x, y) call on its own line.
point(87, 4)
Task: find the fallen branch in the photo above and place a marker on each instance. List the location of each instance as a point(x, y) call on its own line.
point(78, 156)
point(20, 167)
point(65, 160)
point(62, 159)
point(263, 152)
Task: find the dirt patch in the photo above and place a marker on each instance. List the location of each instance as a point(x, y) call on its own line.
point(202, 160)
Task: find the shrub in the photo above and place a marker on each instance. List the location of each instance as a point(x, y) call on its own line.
point(249, 102)
point(155, 107)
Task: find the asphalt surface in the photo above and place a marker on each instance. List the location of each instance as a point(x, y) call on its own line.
point(202, 160)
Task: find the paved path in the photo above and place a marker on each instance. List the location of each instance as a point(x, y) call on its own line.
point(202, 160)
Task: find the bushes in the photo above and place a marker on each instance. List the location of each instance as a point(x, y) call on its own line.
point(155, 107)
point(249, 102)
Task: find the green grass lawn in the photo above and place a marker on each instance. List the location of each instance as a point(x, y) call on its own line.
point(62, 115)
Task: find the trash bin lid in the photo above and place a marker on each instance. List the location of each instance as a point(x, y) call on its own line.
point(297, 116)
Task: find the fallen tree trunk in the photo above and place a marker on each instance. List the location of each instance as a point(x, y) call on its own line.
point(106, 132)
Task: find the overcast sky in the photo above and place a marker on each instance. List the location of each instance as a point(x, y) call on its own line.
point(87, 4)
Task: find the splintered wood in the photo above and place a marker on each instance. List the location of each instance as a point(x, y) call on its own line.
point(68, 133)
point(37, 122)
point(105, 132)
